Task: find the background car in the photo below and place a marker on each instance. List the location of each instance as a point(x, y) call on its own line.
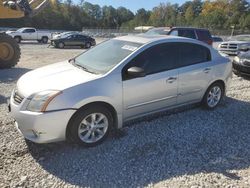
point(83, 41)
point(216, 41)
point(194, 33)
point(84, 98)
point(235, 44)
point(29, 33)
point(241, 64)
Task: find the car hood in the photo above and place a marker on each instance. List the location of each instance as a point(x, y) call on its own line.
point(245, 55)
point(58, 76)
point(235, 42)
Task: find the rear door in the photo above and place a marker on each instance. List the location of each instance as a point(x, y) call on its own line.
point(194, 72)
point(158, 89)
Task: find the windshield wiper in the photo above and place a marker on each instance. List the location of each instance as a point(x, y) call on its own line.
point(73, 62)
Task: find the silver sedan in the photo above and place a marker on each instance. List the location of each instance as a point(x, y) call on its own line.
point(121, 79)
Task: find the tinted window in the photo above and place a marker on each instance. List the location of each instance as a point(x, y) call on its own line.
point(193, 53)
point(203, 35)
point(187, 33)
point(29, 31)
point(159, 58)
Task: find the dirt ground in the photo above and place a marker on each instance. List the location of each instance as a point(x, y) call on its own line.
point(189, 147)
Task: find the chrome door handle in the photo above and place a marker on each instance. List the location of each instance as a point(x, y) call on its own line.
point(207, 70)
point(171, 79)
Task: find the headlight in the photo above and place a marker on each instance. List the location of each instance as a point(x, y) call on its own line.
point(41, 100)
point(237, 59)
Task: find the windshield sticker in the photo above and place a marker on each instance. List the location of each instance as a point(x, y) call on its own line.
point(130, 48)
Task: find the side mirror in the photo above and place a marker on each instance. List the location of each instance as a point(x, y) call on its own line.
point(136, 72)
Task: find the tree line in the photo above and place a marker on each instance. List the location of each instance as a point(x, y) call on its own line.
point(212, 14)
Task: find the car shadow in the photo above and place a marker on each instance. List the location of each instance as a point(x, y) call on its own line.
point(12, 74)
point(160, 147)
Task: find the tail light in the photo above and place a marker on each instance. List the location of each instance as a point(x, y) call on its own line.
point(210, 42)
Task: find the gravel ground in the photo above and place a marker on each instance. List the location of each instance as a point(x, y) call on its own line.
point(188, 147)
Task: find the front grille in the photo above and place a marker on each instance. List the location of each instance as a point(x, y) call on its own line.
point(18, 98)
point(228, 46)
point(224, 45)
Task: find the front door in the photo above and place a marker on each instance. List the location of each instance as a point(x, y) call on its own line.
point(158, 88)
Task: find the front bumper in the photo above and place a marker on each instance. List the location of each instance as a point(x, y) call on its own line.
point(240, 69)
point(229, 52)
point(41, 127)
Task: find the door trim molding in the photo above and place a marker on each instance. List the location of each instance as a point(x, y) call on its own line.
point(149, 102)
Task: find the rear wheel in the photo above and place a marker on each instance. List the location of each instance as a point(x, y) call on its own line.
point(9, 51)
point(213, 96)
point(45, 40)
point(91, 126)
point(60, 45)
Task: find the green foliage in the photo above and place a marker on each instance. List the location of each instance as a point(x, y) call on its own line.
point(212, 14)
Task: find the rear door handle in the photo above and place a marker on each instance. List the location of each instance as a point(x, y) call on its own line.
point(171, 79)
point(207, 70)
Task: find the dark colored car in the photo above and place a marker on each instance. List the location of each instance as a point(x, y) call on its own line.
point(194, 33)
point(217, 39)
point(241, 64)
point(83, 41)
point(189, 32)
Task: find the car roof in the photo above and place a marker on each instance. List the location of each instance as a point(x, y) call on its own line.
point(144, 39)
point(194, 28)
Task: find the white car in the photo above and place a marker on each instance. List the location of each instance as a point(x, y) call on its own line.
point(118, 80)
point(29, 33)
point(235, 44)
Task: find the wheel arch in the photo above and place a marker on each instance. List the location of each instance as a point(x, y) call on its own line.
point(88, 105)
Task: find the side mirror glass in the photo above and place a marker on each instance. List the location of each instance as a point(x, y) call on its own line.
point(136, 72)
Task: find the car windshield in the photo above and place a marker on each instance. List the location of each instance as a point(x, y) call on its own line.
point(241, 38)
point(158, 31)
point(106, 55)
point(20, 30)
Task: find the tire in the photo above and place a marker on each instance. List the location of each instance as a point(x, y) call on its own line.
point(18, 39)
point(213, 96)
point(87, 45)
point(85, 122)
point(45, 40)
point(9, 51)
point(60, 45)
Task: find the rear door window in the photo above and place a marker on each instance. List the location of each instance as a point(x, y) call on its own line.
point(191, 54)
point(203, 35)
point(189, 33)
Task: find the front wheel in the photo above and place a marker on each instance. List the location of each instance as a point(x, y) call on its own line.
point(87, 45)
point(91, 126)
point(213, 96)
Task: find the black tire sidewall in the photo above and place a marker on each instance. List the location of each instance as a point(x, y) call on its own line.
point(17, 52)
point(44, 40)
point(17, 39)
point(80, 115)
point(60, 46)
point(204, 101)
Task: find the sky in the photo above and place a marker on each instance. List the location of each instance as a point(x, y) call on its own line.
point(134, 5)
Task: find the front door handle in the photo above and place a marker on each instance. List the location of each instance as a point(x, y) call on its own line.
point(206, 70)
point(171, 79)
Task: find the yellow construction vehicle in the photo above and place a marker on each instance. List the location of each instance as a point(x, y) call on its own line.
point(9, 49)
